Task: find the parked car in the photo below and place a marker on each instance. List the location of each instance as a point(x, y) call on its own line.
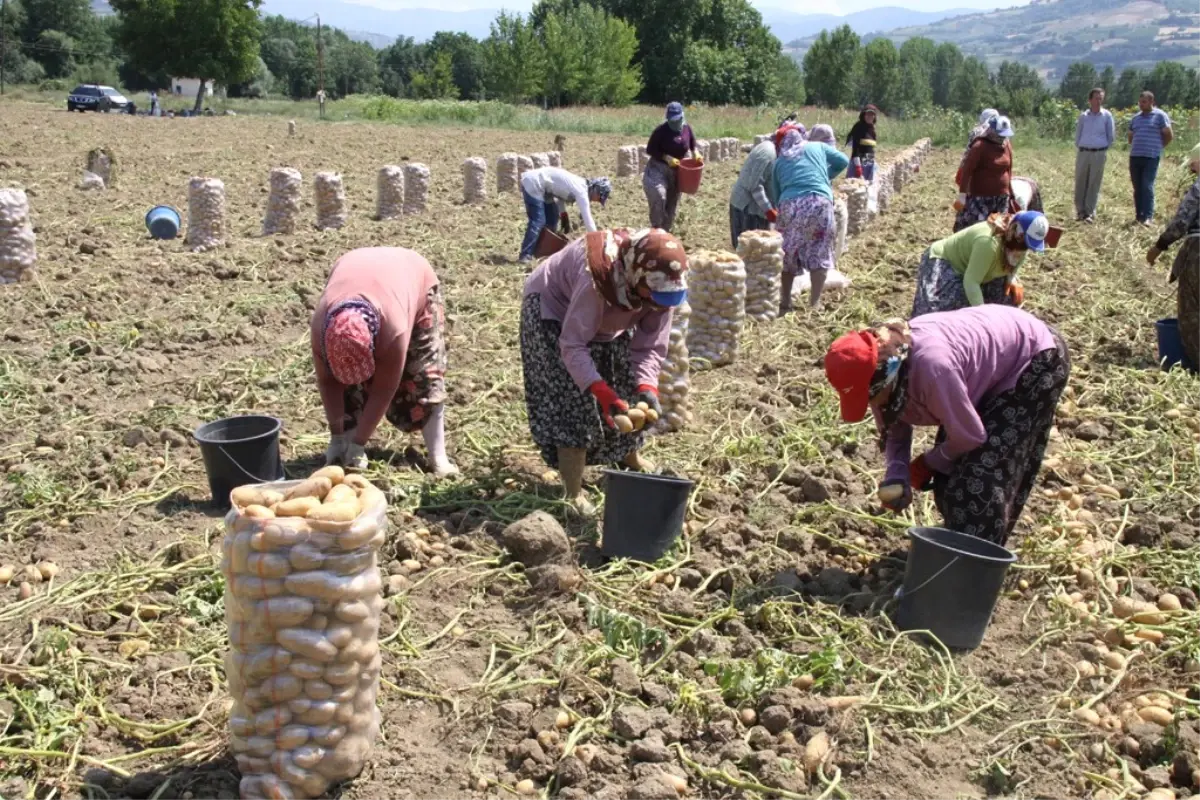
point(90, 97)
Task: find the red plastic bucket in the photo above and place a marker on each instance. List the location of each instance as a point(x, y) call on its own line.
point(549, 243)
point(690, 173)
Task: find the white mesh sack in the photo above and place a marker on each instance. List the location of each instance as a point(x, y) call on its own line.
point(717, 295)
point(524, 164)
point(540, 160)
point(303, 603)
point(556, 158)
point(206, 213)
point(331, 200)
point(506, 173)
point(101, 162)
point(703, 149)
point(627, 161)
point(18, 248)
point(291, 127)
point(416, 188)
point(857, 200)
point(673, 379)
point(840, 220)
point(643, 158)
point(389, 192)
point(283, 203)
point(475, 180)
point(762, 254)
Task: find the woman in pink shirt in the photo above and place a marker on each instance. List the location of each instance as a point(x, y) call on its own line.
point(595, 322)
point(379, 349)
point(989, 377)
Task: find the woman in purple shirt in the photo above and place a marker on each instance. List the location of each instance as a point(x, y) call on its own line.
point(595, 323)
point(670, 143)
point(989, 377)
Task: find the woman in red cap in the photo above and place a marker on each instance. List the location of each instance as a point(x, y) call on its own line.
point(379, 348)
point(988, 376)
point(595, 323)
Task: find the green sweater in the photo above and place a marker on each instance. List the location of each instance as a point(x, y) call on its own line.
point(975, 254)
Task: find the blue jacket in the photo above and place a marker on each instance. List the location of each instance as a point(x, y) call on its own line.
point(812, 173)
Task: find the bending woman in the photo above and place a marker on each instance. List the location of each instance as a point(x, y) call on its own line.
point(595, 323)
point(1186, 268)
point(989, 377)
point(379, 349)
point(547, 191)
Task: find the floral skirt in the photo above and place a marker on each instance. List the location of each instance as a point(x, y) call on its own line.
point(560, 414)
point(809, 233)
point(1186, 270)
point(986, 489)
point(424, 380)
point(979, 208)
point(940, 288)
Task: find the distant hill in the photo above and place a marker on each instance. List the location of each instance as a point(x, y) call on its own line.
point(789, 26)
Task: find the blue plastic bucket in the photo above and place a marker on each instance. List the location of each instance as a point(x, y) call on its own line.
point(1170, 345)
point(163, 222)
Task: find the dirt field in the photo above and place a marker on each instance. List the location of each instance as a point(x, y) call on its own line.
point(731, 647)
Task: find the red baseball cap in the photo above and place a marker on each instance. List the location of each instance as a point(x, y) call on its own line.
point(849, 365)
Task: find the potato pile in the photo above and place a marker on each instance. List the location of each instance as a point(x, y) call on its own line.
point(506, 173)
point(841, 217)
point(762, 253)
point(283, 203)
point(556, 159)
point(416, 188)
point(540, 160)
point(673, 377)
point(303, 603)
point(627, 161)
point(18, 250)
point(206, 213)
point(636, 418)
point(717, 294)
point(474, 180)
point(291, 127)
point(524, 164)
point(389, 192)
point(101, 162)
point(857, 215)
point(331, 201)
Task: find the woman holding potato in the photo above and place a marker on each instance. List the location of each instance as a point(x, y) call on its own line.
point(379, 350)
point(989, 377)
point(595, 323)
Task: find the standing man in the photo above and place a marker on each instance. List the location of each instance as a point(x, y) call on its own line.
point(1094, 134)
point(1149, 132)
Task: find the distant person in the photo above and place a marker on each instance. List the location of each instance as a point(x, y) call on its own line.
point(985, 178)
point(154, 112)
point(670, 143)
point(985, 118)
point(547, 191)
point(1186, 268)
point(1149, 132)
point(1094, 134)
point(321, 102)
point(862, 144)
point(751, 204)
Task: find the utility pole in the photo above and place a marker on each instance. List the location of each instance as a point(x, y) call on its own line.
point(320, 68)
point(3, 41)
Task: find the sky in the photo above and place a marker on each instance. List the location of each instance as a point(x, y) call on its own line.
point(839, 7)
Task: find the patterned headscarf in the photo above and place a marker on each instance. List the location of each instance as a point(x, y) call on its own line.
point(350, 330)
point(792, 143)
point(822, 133)
point(893, 372)
point(784, 129)
point(622, 261)
point(602, 187)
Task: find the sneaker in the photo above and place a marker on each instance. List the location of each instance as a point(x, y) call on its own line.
point(1090, 220)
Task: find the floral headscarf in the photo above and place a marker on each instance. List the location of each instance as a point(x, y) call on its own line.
point(783, 131)
point(621, 261)
point(893, 373)
point(792, 143)
point(349, 341)
point(822, 133)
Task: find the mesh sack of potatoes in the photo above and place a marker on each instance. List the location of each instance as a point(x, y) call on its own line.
point(762, 137)
point(416, 188)
point(291, 127)
point(331, 200)
point(303, 603)
point(673, 377)
point(103, 163)
point(643, 158)
point(540, 160)
point(762, 254)
point(389, 192)
point(857, 215)
point(627, 161)
point(474, 180)
point(840, 221)
point(206, 213)
point(18, 249)
point(703, 149)
point(506, 173)
point(283, 202)
point(733, 147)
point(524, 164)
point(556, 158)
point(883, 184)
point(717, 295)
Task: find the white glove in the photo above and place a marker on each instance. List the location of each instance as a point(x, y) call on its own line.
point(337, 448)
point(355, 457)
point(443, 468)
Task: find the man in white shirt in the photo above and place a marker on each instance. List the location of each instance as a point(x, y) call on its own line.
point(1094, 134)
point(546, 191)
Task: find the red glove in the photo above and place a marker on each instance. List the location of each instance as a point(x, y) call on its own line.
point(649, 395)
point(920, 476)
point(564, 222)
point(1016, 293)
point(772, 215)
point(609, 402)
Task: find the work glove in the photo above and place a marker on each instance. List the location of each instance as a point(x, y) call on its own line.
point(356, 456)
point(892, 501)
point(960, 202)
point(698, 158)
point(1016, 292)
point(564, 222)
point(772, 216)
point(337, 448)
point(610, 404)
point(649, 395)
point(920, 476)
point(1152, 255)
point(672, 162)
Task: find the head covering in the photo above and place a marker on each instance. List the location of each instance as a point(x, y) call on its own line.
point(863, 129)
point(622, 261)
point(1035, 226)
point(987, 115)
point(850, 364)
point(999, 128)
point(602, 187)
point(674, 111)
point(349, 340)
point(791, 144)
point(822, 133)
point(783, 130)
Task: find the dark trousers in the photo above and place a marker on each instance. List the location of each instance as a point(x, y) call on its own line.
point(541, 215)
point(1143, 171)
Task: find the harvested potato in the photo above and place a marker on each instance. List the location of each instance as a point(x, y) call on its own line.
point(244, 496)
point(637, 417)
point(357, 482)
point(341, 493)
point(643, 406)
point(890, 493)
point(651, 418)
point(1087, 715)
point(48, 569)
point(297, 507)
point(1124, 607)
point(334, 473)
point(25, 591)
point(1156, 715)
point(816, 751)
point(1169, 602)
point(335, 512)
point(623, 423)
point(313, 487)
point(258, 512)
point(7, 572)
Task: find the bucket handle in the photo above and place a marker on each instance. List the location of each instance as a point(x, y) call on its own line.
point(900, 592)
point(252, 477)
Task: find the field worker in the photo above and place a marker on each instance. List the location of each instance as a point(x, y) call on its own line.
point(804, 173)
point(752, 204)
point(979, 264)
point(978, 132)
point(1026, 196)
point(595, 323)
point(547, 191)
point(1094, 134)
point(985, 178)
point(989, 377)
point(1149, 132)
point(862, 143)
point(670, 143)
point(1186, 269)
point(379, 348)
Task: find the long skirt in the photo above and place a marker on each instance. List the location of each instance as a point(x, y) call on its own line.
point(809, 234)
point(1186, 270)
point(940, 288)
point(661, 184)
point(424, 380)
point(979, 207)
point(986, 489)
point(560, 413)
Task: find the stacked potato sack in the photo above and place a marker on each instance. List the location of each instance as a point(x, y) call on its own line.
point(673, 378)
point(91, 182)
point(704, 149)
point(524, 164)
point(556, 159)
point(762, 254)
point(883, 186)
point(733, 146)
point(717, 295)
point(206, 213)
point(303, 603)
point(283, 203)
point(643, 158)
point(331, 200)
point(540, 160)
point(840, 220)
point(762, 137)
point(389, 192)
point(18, 250)
point(715, 153)
point(103, 163)
point(627, 161)
point(857, 215)
point(475, 180)
point(292, 127)
point(416, 188)
point(506, 173)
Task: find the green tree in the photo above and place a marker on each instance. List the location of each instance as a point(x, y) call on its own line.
point(353, 67)
point(1129, 86)
point(1108, 80)
point(1173, 84)
point(947, 63)
point(466, 61)
point(72, 18)
point(1079, 81)
point(1019, 89)
point(213, 40)
point(829, 68)
point(398, 63)
point(563, 59)
point(513, 55)
point(607, 74)
point(260, 85)
point(789, 83)
point(436, 82)
point(971, 89)
point(914, 90)
point(56, 53)
point(878, 73)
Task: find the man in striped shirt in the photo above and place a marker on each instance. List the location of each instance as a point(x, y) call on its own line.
point(1149, 132)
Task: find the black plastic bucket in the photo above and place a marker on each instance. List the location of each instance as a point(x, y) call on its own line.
point(238, 451)
point(643, 514)
point(951, 585)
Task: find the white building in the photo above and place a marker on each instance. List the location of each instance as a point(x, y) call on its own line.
point(189, 87)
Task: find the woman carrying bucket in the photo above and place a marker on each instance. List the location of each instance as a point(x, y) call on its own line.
point(1186, 269)
point(670, 143)
point(379, 349)
point(989, 377)
point(595, 322)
